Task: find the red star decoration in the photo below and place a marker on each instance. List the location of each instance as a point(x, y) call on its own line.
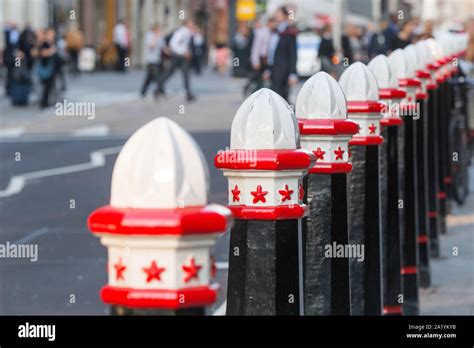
point(213, 267)
point(301, 193)
point(259, 195)
point(319, 154)
point(191, 271)
point(153, 272)
point(235, 194)
point(339, 152)
point(372, 128)
point(285, 194)
point(119, 269)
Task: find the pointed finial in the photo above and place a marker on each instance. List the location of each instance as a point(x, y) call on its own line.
point(359, 83)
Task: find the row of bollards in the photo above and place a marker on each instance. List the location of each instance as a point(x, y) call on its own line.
point(336, 210)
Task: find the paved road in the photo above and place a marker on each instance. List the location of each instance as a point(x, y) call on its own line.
point(70, 260)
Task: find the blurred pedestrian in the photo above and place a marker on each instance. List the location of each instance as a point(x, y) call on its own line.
point(404, 37)
point(351, 44)
point(241, 44)
point(392, 30)
point(26, 44)
point(74, 44)
point(198, 49)
point(259, 53)
point(47, 64)
point(377, 43)
point(180, 53)
point(282, 54)
point(326, 52)
point(154, 44)
point(12, 37)
point(121, 38)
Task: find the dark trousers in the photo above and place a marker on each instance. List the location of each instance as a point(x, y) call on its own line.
point(152, 75)
point(47, 88)
point(255, 77)
point(74, 61)
point(181, 63)
point(281, 87)
point(122, 54)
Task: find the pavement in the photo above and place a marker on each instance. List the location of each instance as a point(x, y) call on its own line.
point(56, 169)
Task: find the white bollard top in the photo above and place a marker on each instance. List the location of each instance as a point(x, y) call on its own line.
point(412, 60)
point(160, 167)
point(380, 67)
point(424, 55)
point(321, 97)
point(398, 63)
point(359, 83)
point(362, 92)
point(264, 121)
point(321, 109)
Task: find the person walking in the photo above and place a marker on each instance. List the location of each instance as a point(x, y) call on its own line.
point(74, 44)
point(259, 53)
point(180, 54)
point(282, 54)
point(198, 47)
point(154, 44)
point(122, 43)
point(47, 65)
point(404, 37)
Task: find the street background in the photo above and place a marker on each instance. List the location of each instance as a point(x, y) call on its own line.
point(51, 154)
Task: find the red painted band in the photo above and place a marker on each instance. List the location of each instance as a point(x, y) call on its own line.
point(159, 298)
point(327, 127)
point(281, 212)
point(391, 121)
point(330, 168)
point(365, 107)
point(423, 74)
point(422, 239)
point(409, 83)
point(408, 270)
point(441, 79)
point(180, 221)
point(433, 66)
point(264, 159)
point(431, 86)
point(448, 180)
point(391, 93)
point(421, 96)
point(393, 309)
point(432, 214)
point(366, 141)
point(441, 195)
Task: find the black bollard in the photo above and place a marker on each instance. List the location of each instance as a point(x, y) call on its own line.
point(362, 93)
point(391, 189)
point(265, 168)
point(321, 111)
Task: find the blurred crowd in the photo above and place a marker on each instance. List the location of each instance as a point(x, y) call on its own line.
point(264, 51)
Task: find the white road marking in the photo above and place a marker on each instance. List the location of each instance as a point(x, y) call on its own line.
point(98, 130)
point(17, 182)
point(222, 265)
point(221, 309)
point(13, 132)
point(32, 235)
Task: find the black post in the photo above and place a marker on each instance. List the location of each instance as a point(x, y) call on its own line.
point(325, 230)
point(442, 154)
point(409, 269)
point(364, 189)
point(423, 192)
point(433, 170)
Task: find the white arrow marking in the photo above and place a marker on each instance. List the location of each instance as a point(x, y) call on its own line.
point(93, 131)
point(17, 182)
point(11, 132)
